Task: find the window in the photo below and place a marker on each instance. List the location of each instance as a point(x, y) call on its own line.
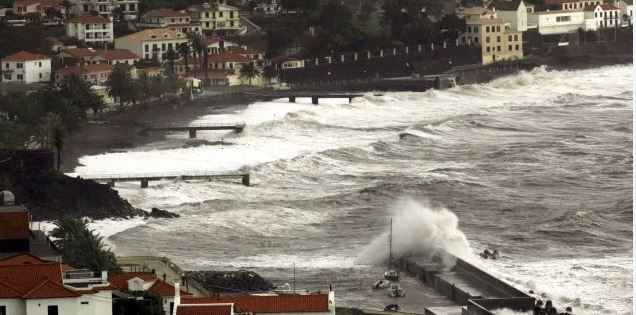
point(487, 29)
point(146, 48)
point(7, 65)
point(498, 48)
point(19, 65)
point(20, 76)
point(40, 76)
point(517, 47)
point(487, 39)
point(509, 38)
point(52, 310)
point(487, 49)
point(40, 64)
point(498, 39)
point(476, 29)
point(84, 302)
point(231, 14)
point(516, 38)
point(498, 28)
point(3, 310)
point(7, 76)
point(476, 40)
point(469, 29)
point(509, 47)
point(221, 14)
point(231, 23)
point(565, 18)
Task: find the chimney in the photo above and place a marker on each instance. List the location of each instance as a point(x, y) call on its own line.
point(177, 295)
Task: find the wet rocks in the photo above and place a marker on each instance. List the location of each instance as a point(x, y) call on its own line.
point(231, 281)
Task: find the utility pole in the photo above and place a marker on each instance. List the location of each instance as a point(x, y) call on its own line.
point(294, 281)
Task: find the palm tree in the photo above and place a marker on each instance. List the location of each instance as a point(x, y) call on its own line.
point(119, 83)
point(171, 56)
point(269, 73)
point(198, 45)
point(81, 247)
point(50, 134)
point(145, 85)
point(184, 51)
point(249, 71)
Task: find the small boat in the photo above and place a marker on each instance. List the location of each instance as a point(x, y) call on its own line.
point(396, 291)
point(382, 284)
point(391, 274)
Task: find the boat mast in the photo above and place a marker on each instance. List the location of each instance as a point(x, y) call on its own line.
point(391, 243)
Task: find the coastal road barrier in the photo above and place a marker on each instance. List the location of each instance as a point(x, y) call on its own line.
point(145, 178)
point(192, 129)
point(315, 96)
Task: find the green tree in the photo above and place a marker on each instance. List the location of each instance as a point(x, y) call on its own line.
point(119, 83)
point(145, 85)
point(249, 71)
point(50, 134)
point(335, 17)
point(184, 51)
point(96, 102)
point(157, 86)
point(82, 247)
point(269, 73)
point(171, 56)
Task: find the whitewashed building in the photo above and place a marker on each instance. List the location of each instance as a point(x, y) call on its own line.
point(152, 43)
point(571, 5)
point(561, 22)
point(25, 67)
point(627, 9)
point(40, 289)
point(218, 17)
point(129, 8)
point(165, 18)
point(604, 15)
point(514, 11)
point(91, 29)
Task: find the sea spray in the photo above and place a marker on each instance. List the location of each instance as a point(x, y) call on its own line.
point(419, 229)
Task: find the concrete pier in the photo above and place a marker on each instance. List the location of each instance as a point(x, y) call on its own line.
point(145, 179)
point(192, 129)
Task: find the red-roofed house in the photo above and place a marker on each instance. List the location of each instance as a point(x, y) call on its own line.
point(315, 304)
point(217, 45)
point(247, 52)
point(37, 8)
point(115, 56)
point(91, 29)
point(179, 21)
point(27, 289)
point(96, 74)
point(25, 67)
point(227, 60)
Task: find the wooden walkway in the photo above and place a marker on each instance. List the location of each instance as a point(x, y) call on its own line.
point(145, 178)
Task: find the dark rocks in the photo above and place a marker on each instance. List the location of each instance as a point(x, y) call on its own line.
point(231, 281)
point(158, 213)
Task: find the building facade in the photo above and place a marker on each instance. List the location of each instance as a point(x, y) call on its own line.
point(127, 9)
point(91, 29)
point(514, 12)
point(561, 22)
point(565, 5)
point(218, 17)
point(152, 43)
point(498, 41)
point(95, 74)
point(25, 67)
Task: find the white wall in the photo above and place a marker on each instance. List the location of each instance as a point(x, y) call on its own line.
point(31, 71)
point(100, 303)
point(14, 306)
point(66, 306)
point(547, 23)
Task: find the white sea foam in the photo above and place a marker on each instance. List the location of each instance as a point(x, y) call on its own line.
point(419, 229)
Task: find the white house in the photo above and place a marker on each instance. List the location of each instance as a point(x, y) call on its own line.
point(91, 29)
point(40, 289)
point(96, 74)
point(218, 17)
point(217, 45)
point(25, 67)
point(165, 18)
point(227, 60)
point(129, 8)
point(152, 43)
point(604, 15)
point(309, 304)
point(561, 22)
point(571, 4)
point(146, 282)
point(268, 7)
point(514, 11)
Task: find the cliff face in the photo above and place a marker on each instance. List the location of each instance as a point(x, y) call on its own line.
point(50, 195)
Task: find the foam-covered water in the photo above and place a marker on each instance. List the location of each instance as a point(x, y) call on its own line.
point(538, 165)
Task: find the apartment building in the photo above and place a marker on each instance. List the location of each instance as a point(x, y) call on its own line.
point(514, 11)
point(129, 9)
point(498, 41)
point(91, 29)
point(179, 21)
point(218, 17)
point(571, 4)
point(561, 21)
point(604, 15)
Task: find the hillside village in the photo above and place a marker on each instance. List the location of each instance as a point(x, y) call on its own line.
point(222, 44)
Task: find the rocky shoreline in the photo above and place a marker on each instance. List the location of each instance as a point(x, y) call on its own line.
point(240, 281)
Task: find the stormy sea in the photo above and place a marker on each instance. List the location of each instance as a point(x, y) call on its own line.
point(537, 165)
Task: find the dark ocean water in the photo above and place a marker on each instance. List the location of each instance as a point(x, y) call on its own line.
point(538, 165)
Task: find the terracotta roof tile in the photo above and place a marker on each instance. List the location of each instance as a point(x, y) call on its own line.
point(485, 22)
point(50, 289)
point(228, 57)
point(243, 50)
point(89, 19)
point(80, 52)
point(22, 259)
point(120, 281)
point(608, 7)
point(116, 54)
point(24, 56)
point(163, 289)
point(100, 67)
point(269, 304)
point(155, 34)
point(8, 291)
point(204, 310)
point(25, 277)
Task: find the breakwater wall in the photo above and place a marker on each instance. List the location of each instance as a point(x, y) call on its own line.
point(478, 292)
